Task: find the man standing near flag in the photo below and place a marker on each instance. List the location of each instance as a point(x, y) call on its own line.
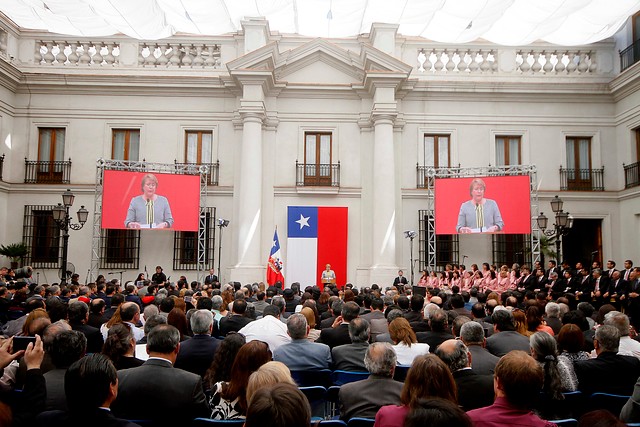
point(275, 265)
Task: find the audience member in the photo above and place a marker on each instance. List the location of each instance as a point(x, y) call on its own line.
point(301, 354)
point(270, 373)
point(505, 338)
point(365, 397)
point(474, 391)
point(157, 384)
point(197, 353)
point(603, 373)
point(517, 383)
point(482, 362)
point(405, 342)
point(120, 347)
point(281, 405)
point(66, 348)
point(229, 399)
point(428, 377)
point(350, 357)
point(437, 413)
point(268, 329)
point(338, 333)
point(237, 320)
point(220, 368)
point(439, 333)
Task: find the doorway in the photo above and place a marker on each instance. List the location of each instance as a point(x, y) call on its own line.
point(583, 243)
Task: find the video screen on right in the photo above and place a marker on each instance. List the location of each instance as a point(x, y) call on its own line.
point(483, 204)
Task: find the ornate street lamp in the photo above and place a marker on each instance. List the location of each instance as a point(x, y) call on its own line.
point(63, 220)
point(561, 227)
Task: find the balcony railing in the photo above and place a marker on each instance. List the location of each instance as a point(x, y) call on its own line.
point(1, 166)
point(321, 175)
point(582, 179)
point(194, 169)
point(631, 175)
point(630, 55)
point(427, 181)
point(40, 172)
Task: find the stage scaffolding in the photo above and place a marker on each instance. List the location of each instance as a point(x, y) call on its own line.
point(144, 166)
point(431, 173)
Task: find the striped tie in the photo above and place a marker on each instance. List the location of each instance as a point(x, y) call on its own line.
point(479, 217)
point(149, 211)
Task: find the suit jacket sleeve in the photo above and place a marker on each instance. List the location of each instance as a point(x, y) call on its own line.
point(631, 410)
point(200, 406)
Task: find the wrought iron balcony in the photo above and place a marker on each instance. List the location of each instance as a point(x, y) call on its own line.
point(314, 174)
point(631, 175)
point(194, 169)
point(582, 179)
point(630, 55)
point(47, 172)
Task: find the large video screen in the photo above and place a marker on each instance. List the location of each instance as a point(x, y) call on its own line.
point(150, 201)
point(495, 204)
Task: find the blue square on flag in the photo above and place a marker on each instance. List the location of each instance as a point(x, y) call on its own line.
point(302, 221)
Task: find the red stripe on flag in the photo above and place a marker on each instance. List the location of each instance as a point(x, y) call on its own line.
point(332, 242)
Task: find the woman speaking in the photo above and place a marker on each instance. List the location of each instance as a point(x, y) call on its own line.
point(149, 210)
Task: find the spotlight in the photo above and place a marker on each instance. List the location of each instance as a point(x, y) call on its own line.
point(410, 234)
point(223, 222)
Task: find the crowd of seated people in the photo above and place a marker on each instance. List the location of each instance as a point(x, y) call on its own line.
point(499, 349)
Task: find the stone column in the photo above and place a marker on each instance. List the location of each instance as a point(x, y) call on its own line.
point(247, 228)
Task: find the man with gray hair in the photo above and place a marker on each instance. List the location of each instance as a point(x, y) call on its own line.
point(474, 391)
point(350, 357)
point(301, 354)
point(609, 372)
point(157, 391)
point(482, 362)
point(628, 346)
point(196, 354)
point(552, 316)
point(365, 397)
point(338, 333)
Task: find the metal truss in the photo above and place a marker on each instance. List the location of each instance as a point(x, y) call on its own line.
point(144, 166)
point(431, 173)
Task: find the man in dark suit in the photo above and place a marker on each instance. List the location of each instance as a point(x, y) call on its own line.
point(91, 385)
point(553, 266)
point(527, 280)
point(482, 362)
point(611, 267)
point(364, 398)
point(350, 357)
point(78, 316)
point(600, 286)
point(156, 390)
point(609, 372)
point(439, 333)
point(400, 281)
point(633, 297)
point(505, 338)
point(618, 290)
point(65, 348)
point(377, 322)
point(197, 353)
point(338, 333)
point(237, 320)
point(211, 278)
point(474, 391)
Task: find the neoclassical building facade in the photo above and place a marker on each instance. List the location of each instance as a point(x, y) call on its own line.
point(286, 120)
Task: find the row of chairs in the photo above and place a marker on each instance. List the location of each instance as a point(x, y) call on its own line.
point(327, 378)
point(353, 422)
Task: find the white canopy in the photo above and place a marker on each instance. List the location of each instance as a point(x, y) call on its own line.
point(506, 22)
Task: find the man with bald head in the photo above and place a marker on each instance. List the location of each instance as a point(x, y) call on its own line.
point(130, 314)
point(474, 391)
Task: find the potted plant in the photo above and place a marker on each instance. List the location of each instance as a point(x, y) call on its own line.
point(15, 252)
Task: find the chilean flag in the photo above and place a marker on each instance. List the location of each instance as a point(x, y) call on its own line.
point(274, 265)
point(317, 236)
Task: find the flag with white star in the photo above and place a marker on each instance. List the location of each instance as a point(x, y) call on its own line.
point(316, 236)
point(275, 265)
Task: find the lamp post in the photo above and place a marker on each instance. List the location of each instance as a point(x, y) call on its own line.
point(409, 234)
point(561, 227)
point(221, 224)
point(63, 220)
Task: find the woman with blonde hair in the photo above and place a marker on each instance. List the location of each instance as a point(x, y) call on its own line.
point(270, 373)
point(520, 321)
point(32, 325)
point(406, 344)
point(308, 313)
point(428, 377)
